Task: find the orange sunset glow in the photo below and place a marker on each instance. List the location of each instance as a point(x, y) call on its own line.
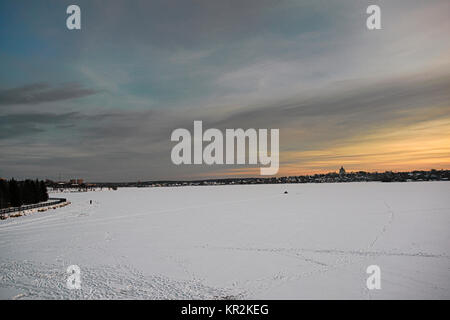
point(422, 146)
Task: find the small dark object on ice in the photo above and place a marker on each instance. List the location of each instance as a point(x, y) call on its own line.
point(90, 201)
point(285, 192)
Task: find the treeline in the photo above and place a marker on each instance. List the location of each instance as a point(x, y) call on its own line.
point(16, 193)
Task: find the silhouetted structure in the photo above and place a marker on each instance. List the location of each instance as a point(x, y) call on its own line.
point(331, 177)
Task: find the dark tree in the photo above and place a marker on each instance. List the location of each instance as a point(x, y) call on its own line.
point(36, 191)
point(43, 194)
point(4, 194)
point(15, 193)
point(27, 191)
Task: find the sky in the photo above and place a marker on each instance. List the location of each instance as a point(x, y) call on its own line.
point(100, 103)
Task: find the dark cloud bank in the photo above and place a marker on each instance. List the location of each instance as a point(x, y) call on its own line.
point(41, 92)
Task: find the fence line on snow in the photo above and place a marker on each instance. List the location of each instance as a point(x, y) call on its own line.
point(33, 206)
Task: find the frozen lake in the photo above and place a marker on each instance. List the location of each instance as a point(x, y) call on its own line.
point(250, 241)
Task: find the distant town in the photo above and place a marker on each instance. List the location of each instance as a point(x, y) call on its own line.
point(331, 177)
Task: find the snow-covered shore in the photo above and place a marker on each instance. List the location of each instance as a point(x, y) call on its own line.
point(221, 242)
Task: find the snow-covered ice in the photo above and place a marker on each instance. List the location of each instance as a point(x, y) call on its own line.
point(233, 242)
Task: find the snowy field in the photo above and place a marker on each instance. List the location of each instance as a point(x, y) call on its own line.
point(235, 242)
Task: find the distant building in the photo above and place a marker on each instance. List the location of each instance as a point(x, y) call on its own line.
point(76, 181)
point(342, 171)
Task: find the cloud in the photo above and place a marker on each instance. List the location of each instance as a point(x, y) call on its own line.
point(314, 127)
point(41, 92)
point(25, 124)
point(350, 104)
